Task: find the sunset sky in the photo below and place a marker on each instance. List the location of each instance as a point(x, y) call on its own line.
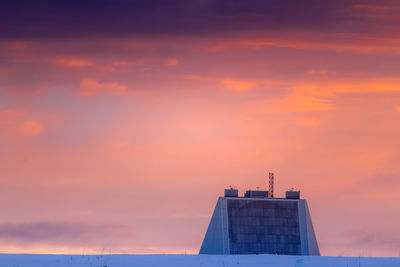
point(121, 122)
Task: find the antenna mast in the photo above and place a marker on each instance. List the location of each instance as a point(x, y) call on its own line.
point(271, 184)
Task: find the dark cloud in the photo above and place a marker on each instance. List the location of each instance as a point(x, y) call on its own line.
point(25, 19)
point(64, 233)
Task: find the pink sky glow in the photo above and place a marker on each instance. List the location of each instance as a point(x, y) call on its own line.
point(122, 144)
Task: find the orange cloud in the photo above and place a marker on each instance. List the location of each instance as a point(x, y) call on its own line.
point(73, 62)
point(362, 44)
point(398, 109)
point(311, 97)
point(14, 122)
point(372, 87)
point(171, 62)
point(330, 90)
point(31, 127)
point(91, 87)
point(299, 102)
point(303, 98)
point(237, 85)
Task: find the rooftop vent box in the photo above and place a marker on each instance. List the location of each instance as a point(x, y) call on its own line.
point(256, 194)
point(231, 192)
point(293, 194)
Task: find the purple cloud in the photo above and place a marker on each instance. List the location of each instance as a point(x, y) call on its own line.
point(64, 233)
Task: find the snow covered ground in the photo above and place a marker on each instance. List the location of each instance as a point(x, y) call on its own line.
point(34, 260)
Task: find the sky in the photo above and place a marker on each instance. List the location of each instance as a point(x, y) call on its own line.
point(121, 122)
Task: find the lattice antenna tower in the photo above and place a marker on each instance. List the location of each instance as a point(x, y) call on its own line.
point(271, 184)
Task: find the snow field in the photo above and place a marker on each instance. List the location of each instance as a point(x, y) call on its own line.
point(39, 260)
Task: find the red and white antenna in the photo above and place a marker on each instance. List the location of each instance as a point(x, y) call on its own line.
point(271, 184)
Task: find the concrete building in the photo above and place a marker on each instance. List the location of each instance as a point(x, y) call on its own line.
point(256, 224)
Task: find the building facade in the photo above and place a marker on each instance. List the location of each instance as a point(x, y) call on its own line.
point(256, 224)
